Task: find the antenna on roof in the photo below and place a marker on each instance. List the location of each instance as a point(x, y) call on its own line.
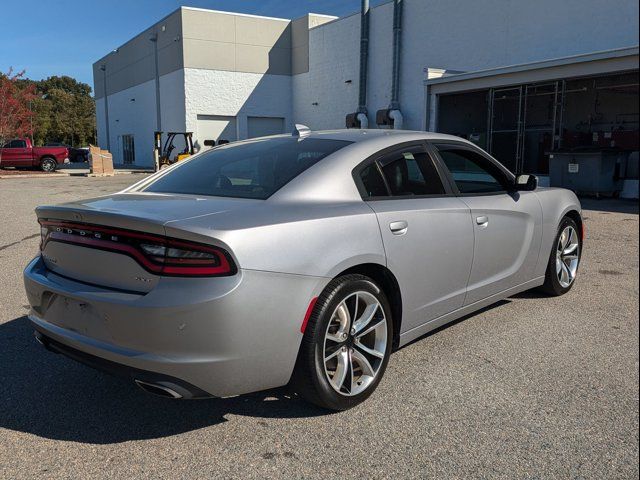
point(301, 131)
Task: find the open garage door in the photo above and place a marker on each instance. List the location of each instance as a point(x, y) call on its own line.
point(215, 127)
point(523, 125)
point(263, 126)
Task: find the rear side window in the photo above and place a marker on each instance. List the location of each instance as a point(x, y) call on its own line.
point(411, 172)
point(404, 172)
point(471, 172)
point(373, 182)
point(250, 169)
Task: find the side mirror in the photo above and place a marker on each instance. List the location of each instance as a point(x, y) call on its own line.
point(526, 183)
point(209, 143)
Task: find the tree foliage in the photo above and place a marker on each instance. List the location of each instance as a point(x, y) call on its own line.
point(64, 111)
point(15, 102)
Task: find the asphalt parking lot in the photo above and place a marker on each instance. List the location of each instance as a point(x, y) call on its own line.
point(530, 388)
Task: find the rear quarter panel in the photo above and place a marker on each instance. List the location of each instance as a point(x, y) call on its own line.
point(556, 203)
point(316, 239)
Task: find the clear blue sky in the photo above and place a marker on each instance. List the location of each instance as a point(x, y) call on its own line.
point(57, 37)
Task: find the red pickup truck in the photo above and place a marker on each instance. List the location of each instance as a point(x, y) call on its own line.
point(20, 153)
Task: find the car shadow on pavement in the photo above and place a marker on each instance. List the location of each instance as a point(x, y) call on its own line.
point(452, 323)
point(51, 396)
point(533, 294)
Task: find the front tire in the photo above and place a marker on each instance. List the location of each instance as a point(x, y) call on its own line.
point(346, 345)
point(564, 259)
point(48, 165)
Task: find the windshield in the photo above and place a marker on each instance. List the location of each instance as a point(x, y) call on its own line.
point(250, 169)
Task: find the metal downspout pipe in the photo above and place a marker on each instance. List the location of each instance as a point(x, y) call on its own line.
point(103, 67)
point(154, 39)
point(360, 118)
point(364, 65)
point(394, 106)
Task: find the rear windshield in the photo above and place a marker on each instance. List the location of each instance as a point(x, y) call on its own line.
point(250, 169)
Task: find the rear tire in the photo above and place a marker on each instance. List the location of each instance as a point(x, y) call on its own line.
point(564, 259)
point(346, 345)
point(48, 165)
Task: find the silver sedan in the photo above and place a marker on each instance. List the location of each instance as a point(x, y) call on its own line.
point(300, 259)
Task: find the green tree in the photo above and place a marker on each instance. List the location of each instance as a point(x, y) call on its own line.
point(64, 111)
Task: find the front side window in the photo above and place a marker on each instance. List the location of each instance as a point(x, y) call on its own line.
point(471, 172)
point(15, 144)
point(250, 169)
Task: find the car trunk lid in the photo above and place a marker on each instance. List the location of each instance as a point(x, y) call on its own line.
point(79, 228)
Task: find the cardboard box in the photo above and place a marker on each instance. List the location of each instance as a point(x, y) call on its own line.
point(101, 161)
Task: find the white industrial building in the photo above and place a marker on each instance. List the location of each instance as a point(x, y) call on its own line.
point(522, 79)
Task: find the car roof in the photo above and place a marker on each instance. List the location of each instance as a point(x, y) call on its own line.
point(331, 178)
point(394, 136)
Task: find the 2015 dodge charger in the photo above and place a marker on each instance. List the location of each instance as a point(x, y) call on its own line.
point(299, 259)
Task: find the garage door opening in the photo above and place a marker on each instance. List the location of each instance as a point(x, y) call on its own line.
point(264, 126)
point(523, 125)
point(216, 128)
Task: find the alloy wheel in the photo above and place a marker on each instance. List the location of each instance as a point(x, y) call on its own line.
point(48, 165)
point(355, 343)
point(567, 256)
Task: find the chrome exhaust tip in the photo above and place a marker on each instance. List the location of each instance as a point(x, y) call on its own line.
point(157, 389)
point(38, 338)
point(41, 339)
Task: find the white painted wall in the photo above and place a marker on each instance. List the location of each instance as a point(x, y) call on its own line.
point(463, 35)
point(185, 94)
point(381, 62)
point(236, 94)
point(172, 104)
point(333, 59)
point(138, 118)
point(448, 34)
point(127, 117)
point(101, 124)
point(454, 35)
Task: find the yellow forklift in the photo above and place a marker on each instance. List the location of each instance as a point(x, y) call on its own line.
point(165, 156)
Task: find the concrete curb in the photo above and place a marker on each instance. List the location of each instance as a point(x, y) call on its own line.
point(33, 175)
point(71, 174)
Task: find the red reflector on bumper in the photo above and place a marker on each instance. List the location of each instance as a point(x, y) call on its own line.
point(312, 304)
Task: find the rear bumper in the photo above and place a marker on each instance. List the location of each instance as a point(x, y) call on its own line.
point(181, 388)
point(222, 336)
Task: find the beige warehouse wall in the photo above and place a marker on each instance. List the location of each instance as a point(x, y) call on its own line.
point(238, 43)
point(209, 40)
point(133, 63)
point(300, 40)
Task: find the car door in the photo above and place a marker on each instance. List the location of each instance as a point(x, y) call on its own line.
point(426, 230)
point(507, 224)
point(16, 154)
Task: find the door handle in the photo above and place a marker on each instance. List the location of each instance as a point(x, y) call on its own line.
point(399, 228)
point(483, 221)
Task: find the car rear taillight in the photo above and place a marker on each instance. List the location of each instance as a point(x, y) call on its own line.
point(155, 253)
